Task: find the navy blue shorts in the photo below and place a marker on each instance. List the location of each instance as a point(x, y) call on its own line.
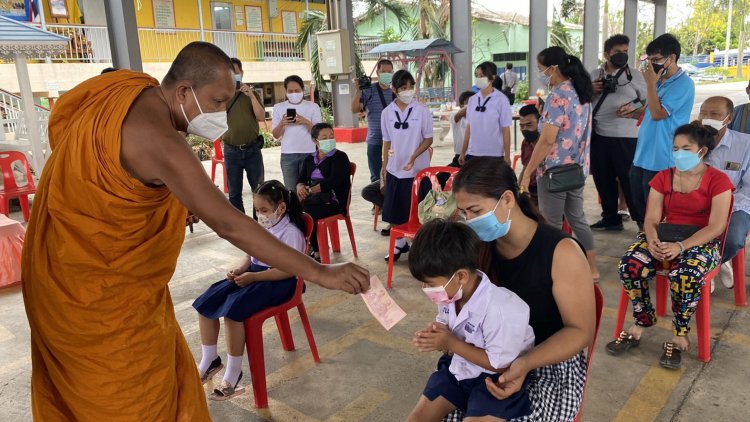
point(471, 395)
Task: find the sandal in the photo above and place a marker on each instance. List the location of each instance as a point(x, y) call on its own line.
point(212, 370)
point(227, 391)
point(624, 342)
point(672, 356)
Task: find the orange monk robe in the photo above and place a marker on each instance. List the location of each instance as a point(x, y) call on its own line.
point(100, 250)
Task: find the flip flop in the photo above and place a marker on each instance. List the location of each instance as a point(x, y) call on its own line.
point(212, 370)
point(227, 391)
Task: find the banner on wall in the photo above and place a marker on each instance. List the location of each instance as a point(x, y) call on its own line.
point(19, 10)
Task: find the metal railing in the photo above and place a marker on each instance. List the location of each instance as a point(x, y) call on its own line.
point(90, 44)
point(13, 119)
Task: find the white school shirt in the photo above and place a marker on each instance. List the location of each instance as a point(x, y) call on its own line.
point(288, 234)
point(494, 319)
point(486, 138)
point(405, 141)
point(459, 130)
point(296, 139)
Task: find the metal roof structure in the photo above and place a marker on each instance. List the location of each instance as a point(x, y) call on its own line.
point(17, 37)
point(416, 48)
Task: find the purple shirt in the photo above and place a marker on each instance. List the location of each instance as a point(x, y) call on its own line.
point(563, 109)
point(288, 234)
point(316, 175)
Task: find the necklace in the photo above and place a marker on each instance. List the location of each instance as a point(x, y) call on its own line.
point(681, 188)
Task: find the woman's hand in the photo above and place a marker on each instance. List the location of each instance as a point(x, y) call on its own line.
point(316, 189)
point(245, 279)
point(654, 246)
point(303, 191)
point(670, 250)
point(510, 381)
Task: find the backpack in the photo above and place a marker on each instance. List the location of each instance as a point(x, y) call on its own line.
point(437, 204)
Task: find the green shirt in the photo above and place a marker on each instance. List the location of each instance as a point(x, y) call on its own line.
point(243, 126)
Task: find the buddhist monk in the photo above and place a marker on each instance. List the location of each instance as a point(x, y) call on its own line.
point(106, 229)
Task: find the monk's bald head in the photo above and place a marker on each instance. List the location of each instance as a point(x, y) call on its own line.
point(717, 106)
point(199, 63)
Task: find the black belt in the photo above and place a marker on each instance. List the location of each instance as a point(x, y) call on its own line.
point(245, 146)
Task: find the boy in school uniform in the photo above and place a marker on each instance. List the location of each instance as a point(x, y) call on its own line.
point(481, 328)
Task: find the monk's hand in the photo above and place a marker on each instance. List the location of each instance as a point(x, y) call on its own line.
point(510, 381)
point(243, 280)
point(348, 277)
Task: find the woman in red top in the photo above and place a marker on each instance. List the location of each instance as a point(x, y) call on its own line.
point(691, 193)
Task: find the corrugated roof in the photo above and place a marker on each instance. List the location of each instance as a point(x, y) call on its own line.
point(18, 37)
point(416, 47)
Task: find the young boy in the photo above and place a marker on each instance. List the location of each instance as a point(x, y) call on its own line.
point(458, 126)
point(480, 328)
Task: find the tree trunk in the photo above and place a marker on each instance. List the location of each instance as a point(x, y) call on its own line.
point(741, 52)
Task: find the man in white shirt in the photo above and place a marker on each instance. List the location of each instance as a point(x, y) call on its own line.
point(510, 82)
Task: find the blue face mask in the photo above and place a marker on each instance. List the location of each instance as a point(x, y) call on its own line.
point(487, 227)
point(685, 160)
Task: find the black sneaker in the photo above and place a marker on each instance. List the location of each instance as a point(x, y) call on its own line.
point(399, 251)
point(386, 231)
point(602, 226)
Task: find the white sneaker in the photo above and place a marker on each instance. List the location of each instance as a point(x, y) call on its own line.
point(726, 275)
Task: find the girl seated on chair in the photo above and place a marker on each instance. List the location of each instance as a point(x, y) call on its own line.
point(324, 180)
point(694, 194)
point(250, 288)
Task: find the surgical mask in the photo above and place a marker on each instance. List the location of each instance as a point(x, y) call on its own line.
point(237, 81)
point(326, 145)
point(439, 296)
point(685, 160)
point(407, 96)
point(270, 220)
point(543, 78)
point(208, 125)
point(487, 227)
point(619, 60)
point(716, 124)
point(482, 82)
point(294, 97)
point(530, 135)
point(385, 78)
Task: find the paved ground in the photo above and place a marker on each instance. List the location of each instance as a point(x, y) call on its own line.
point(368, 374)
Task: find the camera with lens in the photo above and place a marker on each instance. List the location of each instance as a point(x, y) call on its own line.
point(364, 82)
point(609, 84)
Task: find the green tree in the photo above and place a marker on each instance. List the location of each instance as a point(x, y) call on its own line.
point(560, 36)
point(705, 29)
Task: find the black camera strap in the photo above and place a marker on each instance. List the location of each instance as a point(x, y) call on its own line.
point(382, 97)
point(604, 95)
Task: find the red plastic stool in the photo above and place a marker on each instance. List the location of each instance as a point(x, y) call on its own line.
point(740, 289)
point(217, 159)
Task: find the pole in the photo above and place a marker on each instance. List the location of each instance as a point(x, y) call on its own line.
point(43, 21)
point(122, 29)
point(591, 34)
point(460, 15)
point(200, 20)
point(729, 35)
point(537, 41)
point(29, 112)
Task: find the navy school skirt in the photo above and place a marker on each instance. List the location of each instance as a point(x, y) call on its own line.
point(226, 299)
point(397, 201)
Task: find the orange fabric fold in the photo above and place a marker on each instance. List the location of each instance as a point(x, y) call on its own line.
point(100, 249)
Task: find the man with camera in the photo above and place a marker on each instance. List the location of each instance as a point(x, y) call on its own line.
point(373, 98)
point(614, 138)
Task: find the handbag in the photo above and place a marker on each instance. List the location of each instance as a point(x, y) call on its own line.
point(675, 232)
point(437, 204)
point(563, 178)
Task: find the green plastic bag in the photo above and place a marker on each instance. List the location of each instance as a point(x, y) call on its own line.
point(437, 204)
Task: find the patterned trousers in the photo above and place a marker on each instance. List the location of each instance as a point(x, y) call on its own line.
point(686, 276)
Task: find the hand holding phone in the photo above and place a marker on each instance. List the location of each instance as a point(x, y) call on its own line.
point(291, 113)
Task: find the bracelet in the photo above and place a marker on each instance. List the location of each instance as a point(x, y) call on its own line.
point(682, 247)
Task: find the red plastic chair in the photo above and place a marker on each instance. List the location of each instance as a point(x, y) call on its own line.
point(661, 293)
point(409, 229)
point(599, 308)
point(254, 333)
point(516, 159)
point(331, 225)
point(218, 158)
point(10, 189)
point(378, 210)
point(740, 289)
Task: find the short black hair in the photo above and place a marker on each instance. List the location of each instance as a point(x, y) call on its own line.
point(701, 135)
point(294, 78)
point(198, 62)
point(401, 78)
point(528, 110)
point(315, 131)
point(509, 66)
point(382, 62)
point(665, 44)
point(236, 61)
point(443, 247)
point(617, 39)
point(489, 69)
point(109, 69)
point(465, 96)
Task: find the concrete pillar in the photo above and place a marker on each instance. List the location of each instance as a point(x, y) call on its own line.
point(29, 113)
point(123, 35)
point(461, 38)
point(537, 40)
point(660, 17)
point(630, 28)
point(591, 34)
point(343, 89)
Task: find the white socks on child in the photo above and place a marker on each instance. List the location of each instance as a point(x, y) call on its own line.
point(400, 242)
point(209, 354)
point(234, 367)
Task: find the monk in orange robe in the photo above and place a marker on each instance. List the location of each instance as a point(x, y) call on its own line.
point(106, 229)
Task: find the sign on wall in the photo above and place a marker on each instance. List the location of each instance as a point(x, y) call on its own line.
point(289, 22)
point(163, 13)
point(254, 17)
point(14, 9)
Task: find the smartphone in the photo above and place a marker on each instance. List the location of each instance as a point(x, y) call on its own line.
point(540, 101)
point(291, 113)
point(638, 104)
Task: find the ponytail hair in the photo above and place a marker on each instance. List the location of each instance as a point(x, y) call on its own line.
point(572, 68)
point(490, 177)
point(275, 193)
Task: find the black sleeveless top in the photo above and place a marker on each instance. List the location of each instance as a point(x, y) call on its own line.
point(529, 275)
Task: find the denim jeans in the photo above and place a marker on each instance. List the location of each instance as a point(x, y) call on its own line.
point(739, 226)
point(237, 160)
point(290, 168)
point(375, 161)
point(639, 187)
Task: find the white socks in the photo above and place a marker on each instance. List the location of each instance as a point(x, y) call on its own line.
point(400, 242)
point(209, 354)
point(234, 367)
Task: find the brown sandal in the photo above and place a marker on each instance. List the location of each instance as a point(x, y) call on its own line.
point(226, 391)
point(624, 342)
point(672, 356)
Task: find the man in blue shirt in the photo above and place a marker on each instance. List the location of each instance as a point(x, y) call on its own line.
point(732, 156)
point(741, 119)
point(670, 95)
point(374, 99)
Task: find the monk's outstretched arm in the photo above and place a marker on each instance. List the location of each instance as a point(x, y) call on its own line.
point(171, 161)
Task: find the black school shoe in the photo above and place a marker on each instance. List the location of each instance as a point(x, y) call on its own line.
point(602, 226)
point(401, 250)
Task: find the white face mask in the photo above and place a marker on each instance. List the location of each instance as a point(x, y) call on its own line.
point(407, 96)
point(716, 124)
point(270, 220)
point(294, 97)
point(482, 82)
point(208, 125)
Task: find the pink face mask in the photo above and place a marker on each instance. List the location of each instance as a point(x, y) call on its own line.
point(439, 296)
